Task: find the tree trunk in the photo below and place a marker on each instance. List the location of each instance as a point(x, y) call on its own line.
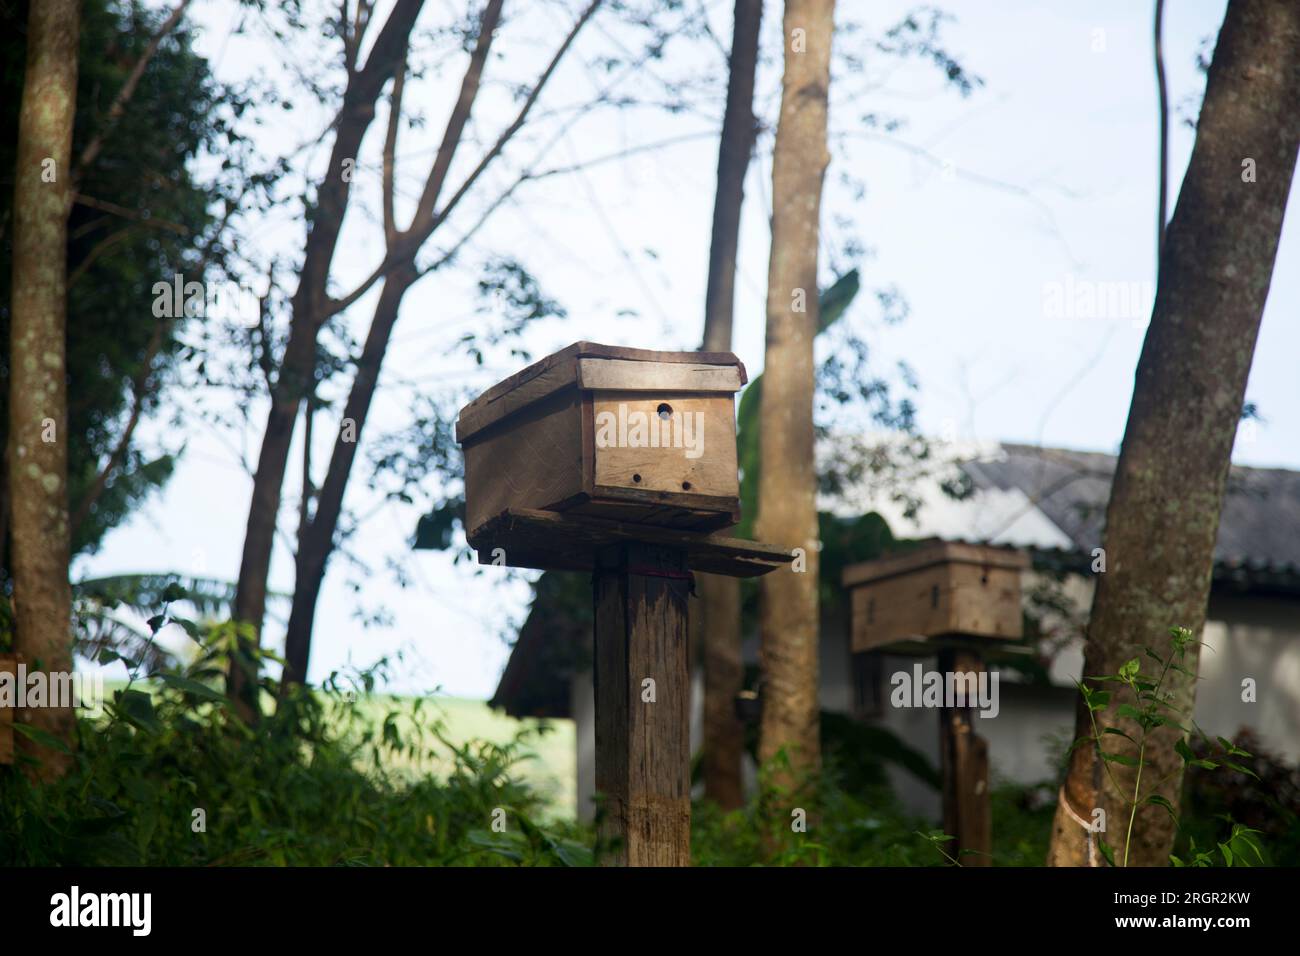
point(1167, 495)
point(787, 508)
point(309, 309)
point(400, 273)
point(718, 608)
point(38, 409)
point(318, 539)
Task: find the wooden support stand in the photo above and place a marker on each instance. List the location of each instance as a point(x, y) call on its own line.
point(643, 694)
point(641, 579)
point(964, 757)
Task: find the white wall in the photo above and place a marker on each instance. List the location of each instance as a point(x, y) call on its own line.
point(1248, 637)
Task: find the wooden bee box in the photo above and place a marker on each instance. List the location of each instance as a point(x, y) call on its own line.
point(627, 434)
point(946, 589)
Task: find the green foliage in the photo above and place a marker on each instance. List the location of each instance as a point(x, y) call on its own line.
point(856, 824)
point(1264, 796)
point(311, 785)
point(143, 218)
point(844, 827)
point(1150, 707)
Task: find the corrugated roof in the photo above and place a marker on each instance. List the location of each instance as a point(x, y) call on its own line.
point(1259, 527)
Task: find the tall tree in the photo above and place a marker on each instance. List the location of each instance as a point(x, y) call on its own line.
point(398, 272)
point(1188, 395)
point(718, 609)
point(311, 306)
point(787, 509)
point(37, 453)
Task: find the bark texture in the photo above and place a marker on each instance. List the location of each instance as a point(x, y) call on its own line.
point(1163, 515)
point(37, 457)
point(718, 608)
point(787, 509)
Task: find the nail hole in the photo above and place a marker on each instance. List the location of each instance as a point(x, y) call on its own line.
point(665, 410)
point(636, 478)
point(686, 486)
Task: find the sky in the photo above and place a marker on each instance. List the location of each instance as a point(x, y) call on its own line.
point(983, 211)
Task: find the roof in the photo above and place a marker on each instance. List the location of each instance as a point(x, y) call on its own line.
point(1259, 527)
point(1050, 501)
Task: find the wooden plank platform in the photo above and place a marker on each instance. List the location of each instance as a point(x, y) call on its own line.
point(550, 541)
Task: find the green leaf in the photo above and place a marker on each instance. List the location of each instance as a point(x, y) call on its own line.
point(136, 707)
point(1106, 851)
point(44, 738)
point(1184, 751)
point(1099, 701)
point(1131, 712)
point(1119, 733)
point(1240, 769)
point(1122, 759)
point(1156, 800)
point(1227, 853)
point(1129, 669)
point(1159, 720)
point(192, 687)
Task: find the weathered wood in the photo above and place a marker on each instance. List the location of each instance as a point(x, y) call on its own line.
point(628, 434)
point(536, 464)
point(964, 757)
point(623, 375)
point(560, 370)
point(566, 542)
point(8, 665)
point(479, 415)
point(642, 687)
point(942, 590)
point(696, 425)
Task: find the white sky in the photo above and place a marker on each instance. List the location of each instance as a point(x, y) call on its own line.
point(1046, 175)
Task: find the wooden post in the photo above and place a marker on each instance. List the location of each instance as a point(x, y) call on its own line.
point(643, 693)
point(964, 755)
point(641, 579)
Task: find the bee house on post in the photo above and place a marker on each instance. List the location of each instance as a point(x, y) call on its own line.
point(627, 434)
point(620, 462)
point(953, 600)
point(942, 590)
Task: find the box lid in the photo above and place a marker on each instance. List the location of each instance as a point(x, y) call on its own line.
point(596, 367)
point(939, 552)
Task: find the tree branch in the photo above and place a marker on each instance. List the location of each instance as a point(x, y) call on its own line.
point(390, 149)
point(118, 107)
point(409, 242)
point(451, 137)
point(123, 442)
